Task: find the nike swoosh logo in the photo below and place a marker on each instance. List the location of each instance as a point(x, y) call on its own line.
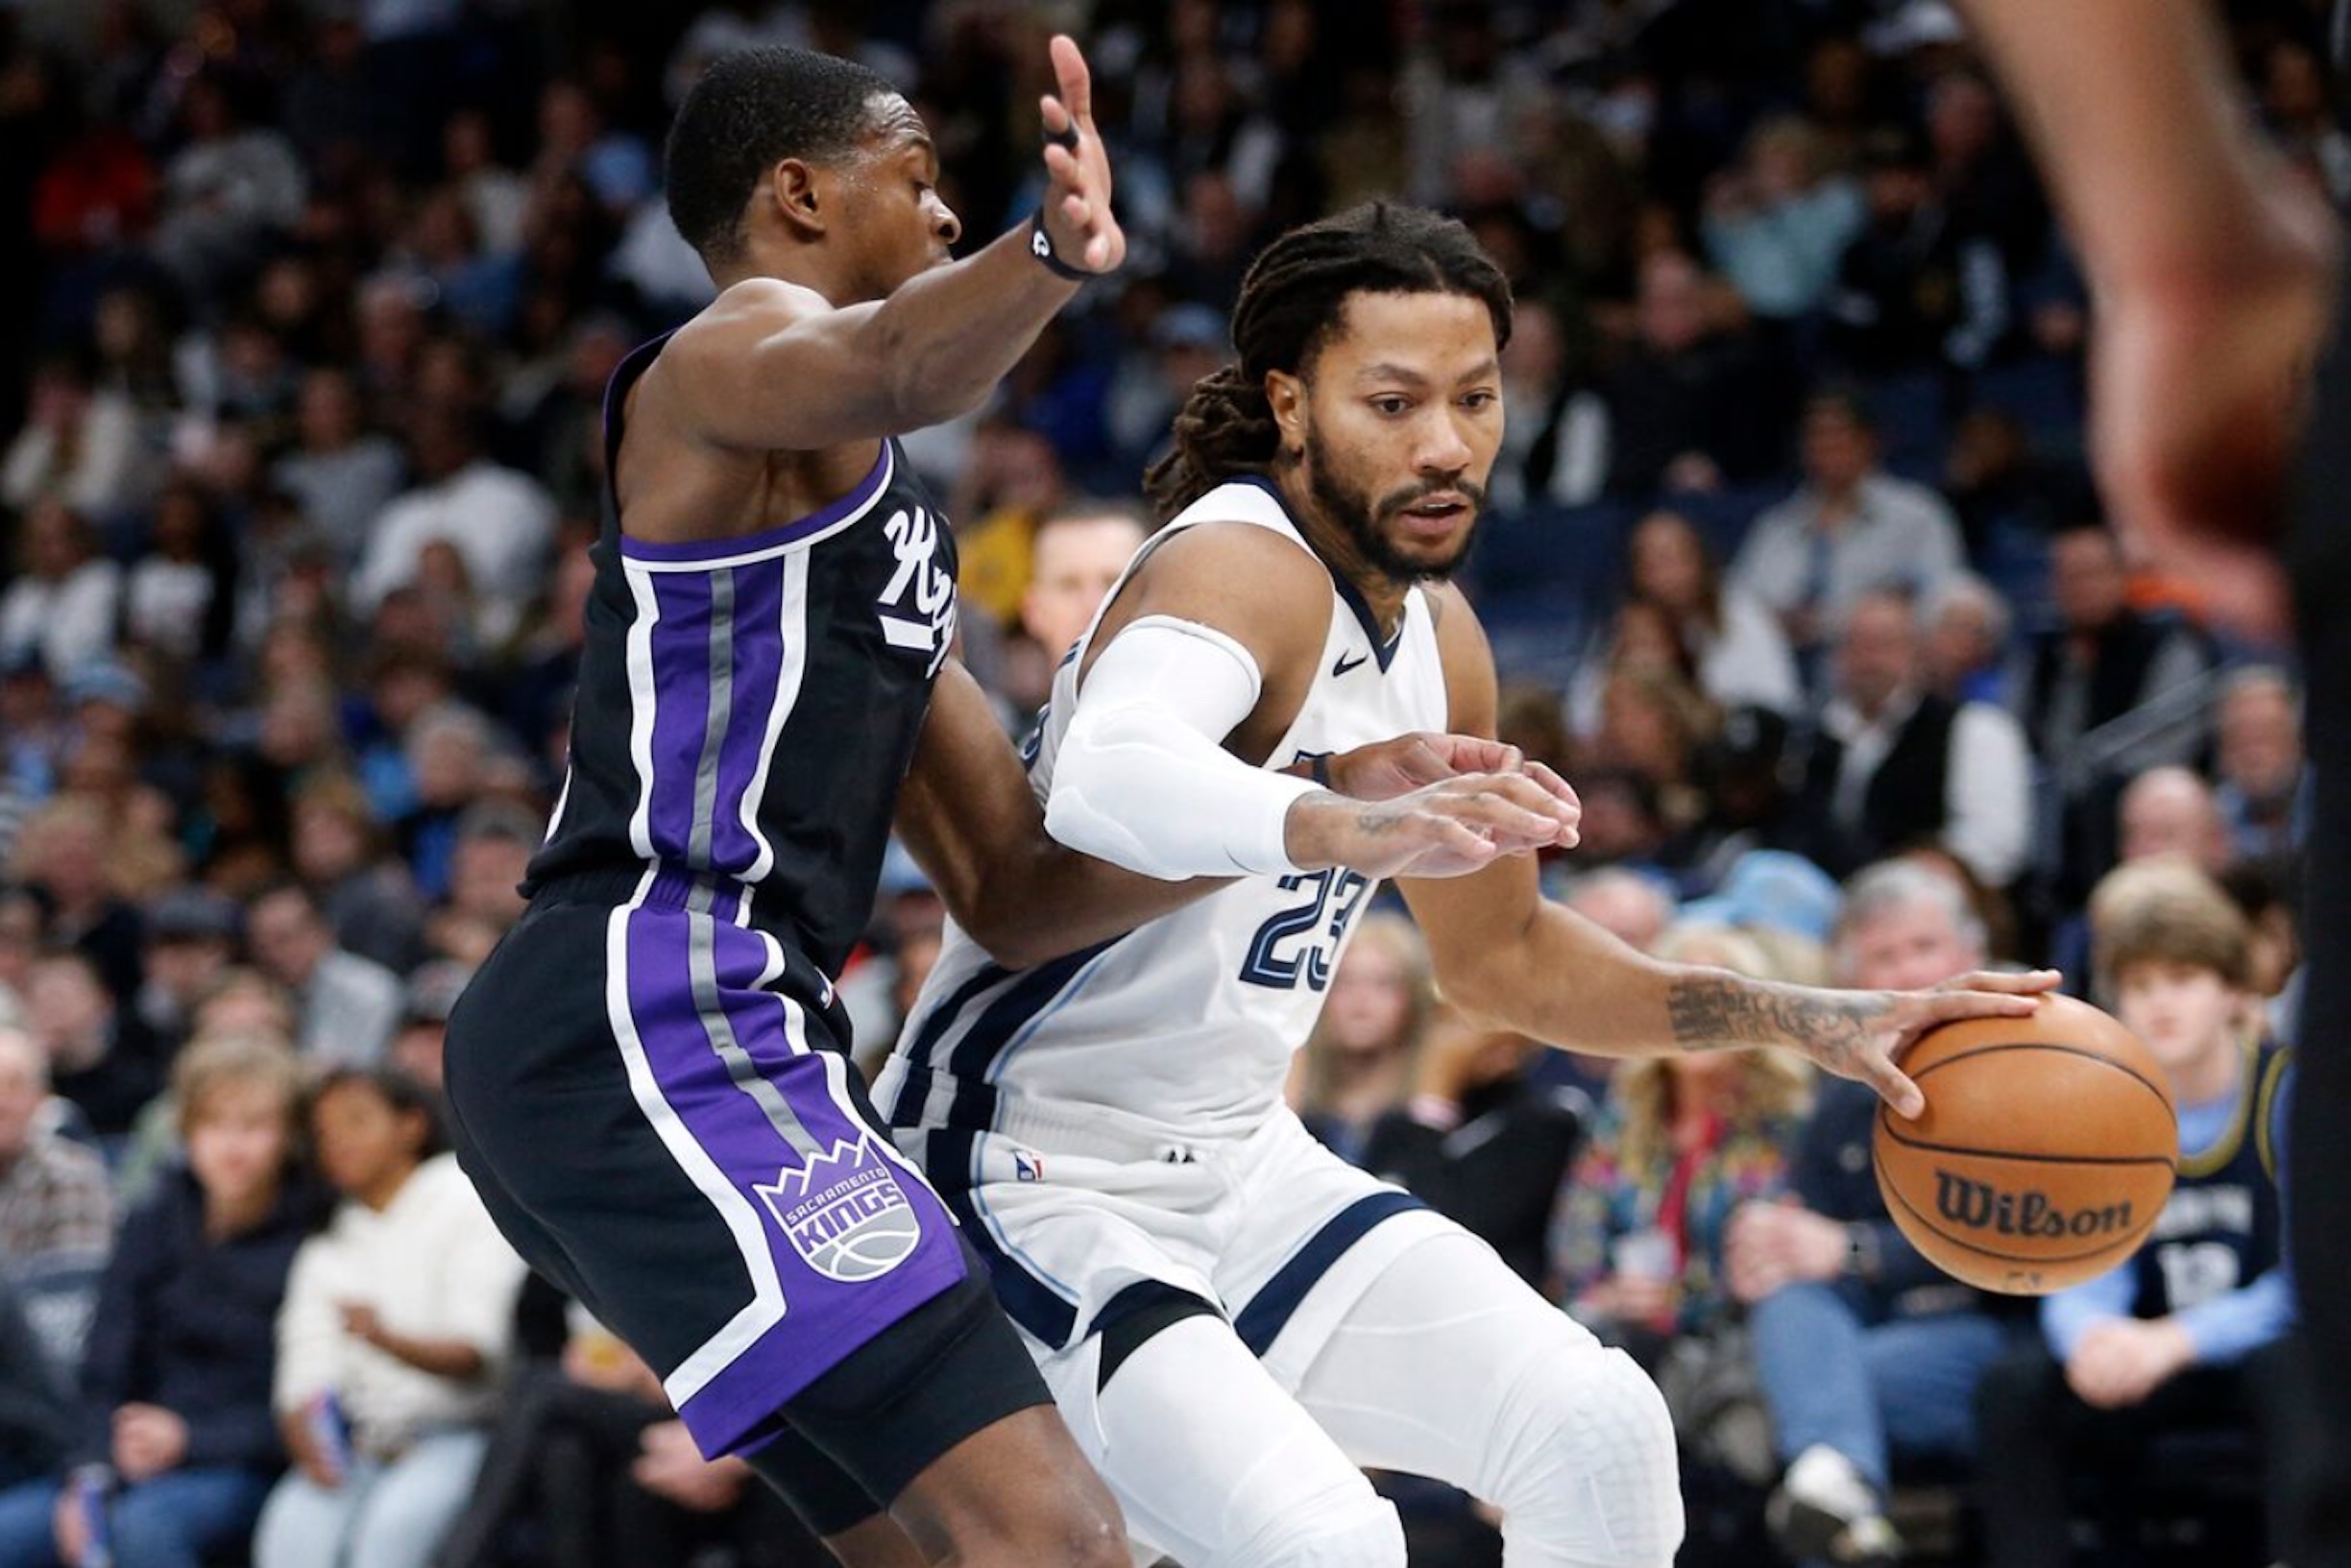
point(1345, 664)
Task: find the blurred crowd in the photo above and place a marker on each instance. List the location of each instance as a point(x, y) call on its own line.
point(1791, 563)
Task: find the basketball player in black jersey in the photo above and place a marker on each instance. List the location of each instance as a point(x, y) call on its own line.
point(2214, 273)
point(647, 1079)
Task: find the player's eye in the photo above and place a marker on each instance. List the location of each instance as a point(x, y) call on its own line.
point(1480, 400)
point(1390, 406)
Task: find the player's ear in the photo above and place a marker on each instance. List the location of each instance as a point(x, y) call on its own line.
point(1286, 395)
point(793, 188)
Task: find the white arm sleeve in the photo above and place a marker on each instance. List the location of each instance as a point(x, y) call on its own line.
point(1142, 779)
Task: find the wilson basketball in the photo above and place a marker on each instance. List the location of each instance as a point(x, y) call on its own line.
point(2046, 1152)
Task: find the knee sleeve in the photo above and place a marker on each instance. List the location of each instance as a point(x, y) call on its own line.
point(1582, 1464)
point(1220, 1468)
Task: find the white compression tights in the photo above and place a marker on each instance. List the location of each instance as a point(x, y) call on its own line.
point(1449, 1366)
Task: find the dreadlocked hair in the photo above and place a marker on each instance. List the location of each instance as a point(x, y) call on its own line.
point(1290, 303)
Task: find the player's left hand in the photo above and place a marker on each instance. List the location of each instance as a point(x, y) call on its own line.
point(1078, 208)
point(1863, 1038)
point(1385, 769)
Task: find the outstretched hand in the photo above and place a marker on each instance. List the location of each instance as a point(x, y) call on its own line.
point(1420, 758)
point(1077, 214)
point(1449, 828)
point(1879, 1025)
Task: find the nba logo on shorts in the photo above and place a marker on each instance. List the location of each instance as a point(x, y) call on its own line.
point(845, 1213)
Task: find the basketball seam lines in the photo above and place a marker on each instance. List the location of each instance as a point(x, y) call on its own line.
point(1892, 1133)
point(2132, 1073)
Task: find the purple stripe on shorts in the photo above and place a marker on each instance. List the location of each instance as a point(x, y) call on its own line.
point(856, 1240)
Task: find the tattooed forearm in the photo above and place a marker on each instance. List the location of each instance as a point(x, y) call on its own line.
point(1722, 1012)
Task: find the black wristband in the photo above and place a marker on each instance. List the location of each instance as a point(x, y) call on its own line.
point(1319, 766)
point(1041, 247)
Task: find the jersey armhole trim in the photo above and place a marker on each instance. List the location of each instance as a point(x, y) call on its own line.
point(701, 554)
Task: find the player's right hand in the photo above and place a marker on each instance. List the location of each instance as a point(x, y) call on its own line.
point(1077, 214)
point(1449, 828)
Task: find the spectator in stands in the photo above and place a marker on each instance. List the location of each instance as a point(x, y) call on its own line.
point(57, 1214)
point(500, 522)
point(180, 601)
point(2296, 112)
point(339, 854)
point(1632, 908)
point(35, 1396)
point(349, 1004)
point(1741, 657)
point(1967, 640)
point(66, 854)
point(191, 941)
point(1982, 178)
point(495, 842)
point(99, 1056)
point(231, 187)
point(341, 473)
point(1680, 1144)
point(1851, 530)
point(1784, 903)
point(1917, 295)
point(66, 597)
point(2104, 660)
point(417, 1047)
point(1554, 444)
point(2173, 811)
point(2187, 1334)
point(1360, 1061)
point(79, 448)
point(1778, 222)
point(608, 1473)
point(448, 750)
point(1893, 764)
point(1078, 553)
point(1688, 405)
point(1013, 483)
point(1865, 1349)
point(2263, 792)
point(174, 1412)
point(397, 1322)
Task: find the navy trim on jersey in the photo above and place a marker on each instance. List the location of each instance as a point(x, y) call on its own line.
point(1032, 994)
point(1271, 1309)
point(772, 537)
point(1148, 1295)
point(1384, 649)
point(1028, 1300)
point(633, 365)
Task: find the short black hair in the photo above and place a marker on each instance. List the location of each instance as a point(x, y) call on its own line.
point(751, 110)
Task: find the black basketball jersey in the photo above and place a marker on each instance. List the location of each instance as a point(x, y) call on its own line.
point(747, 707)
point(2223, 1227)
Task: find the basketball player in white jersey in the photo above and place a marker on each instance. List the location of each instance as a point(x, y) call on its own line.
point(1233, 1319)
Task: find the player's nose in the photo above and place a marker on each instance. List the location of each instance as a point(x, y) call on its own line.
point(1444, 449)
point(949, 227)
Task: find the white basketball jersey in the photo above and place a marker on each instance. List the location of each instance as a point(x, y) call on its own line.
point(1185, 1026)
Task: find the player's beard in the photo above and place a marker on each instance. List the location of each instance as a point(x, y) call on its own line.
point(1354, 509)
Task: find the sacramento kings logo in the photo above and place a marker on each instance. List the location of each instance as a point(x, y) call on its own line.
point(845, 1213)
